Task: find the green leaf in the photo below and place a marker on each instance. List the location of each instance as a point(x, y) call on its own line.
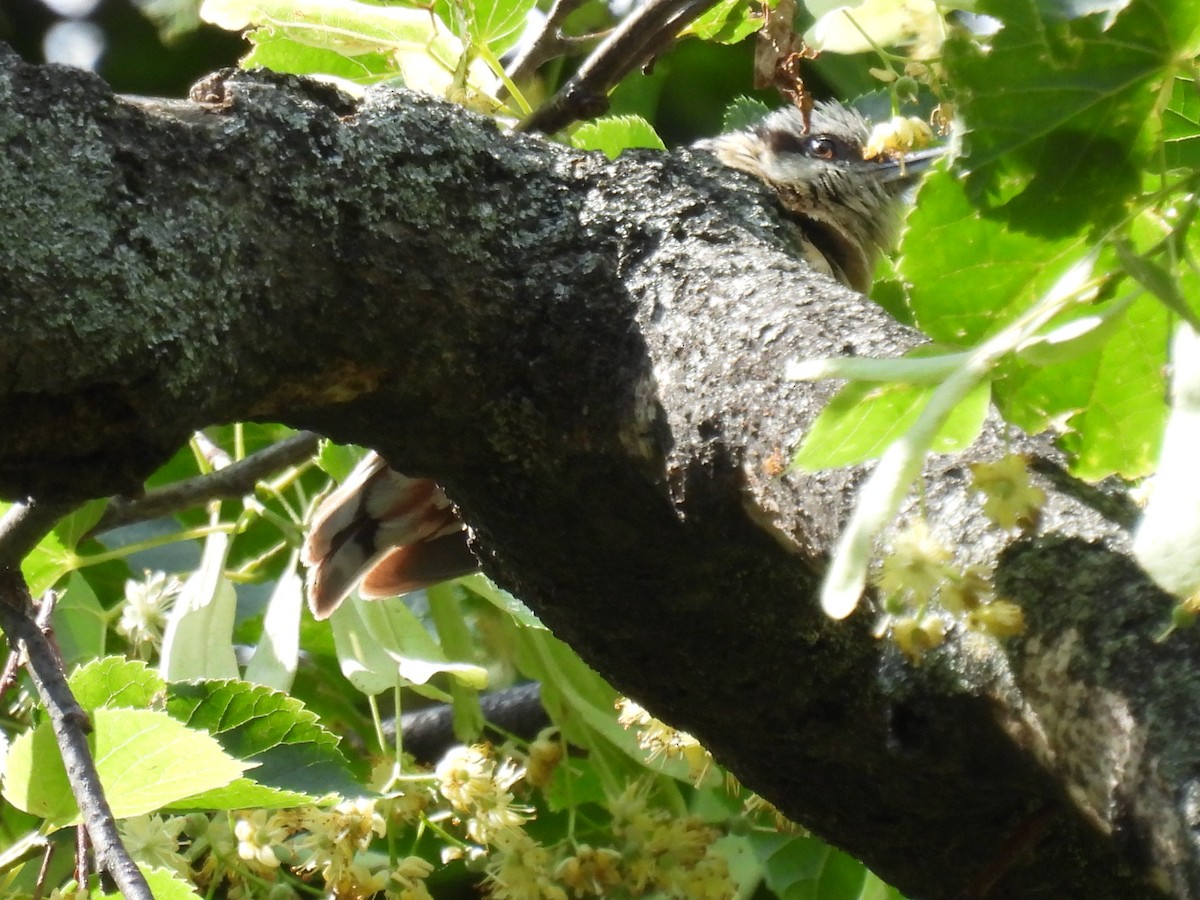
point(379, 641)
point(49, 561)
point(1167, 537)
point(481, 586)
point(280, 53)
point(803, 868)
point(338, 460)
point(496, 24)
point(115, 681)
point(80, 622)
point(1121, 425)
point(73, 528)
point(277, 655)
point(199, 637)
point(454, 635)
point(969, 273)
point(146, 760)
point(743, 114)
point(1093, 84)
point(614, 134)
point(295, 756)
point(863, 419)
point(728, 22)
point(582, 705)
point(163, 883)
point(1181, 125)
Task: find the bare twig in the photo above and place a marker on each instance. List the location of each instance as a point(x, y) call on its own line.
point(70, 725)
point(39, 886)
point(646, 33)
point(82, 868)
point(235, 480)
point(11, 665)
point(551, 42)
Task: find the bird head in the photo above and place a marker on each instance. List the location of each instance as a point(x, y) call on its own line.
point(846, 205)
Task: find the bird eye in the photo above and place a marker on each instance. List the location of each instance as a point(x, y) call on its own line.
point(821, 147)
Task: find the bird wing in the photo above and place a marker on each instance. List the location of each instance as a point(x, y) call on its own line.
point(391, 532)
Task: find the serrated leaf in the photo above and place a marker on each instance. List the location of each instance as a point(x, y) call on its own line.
point(743, 114)
point(863, 419)
point(116, 681)
point(146, 760)
point(1088, 81)
point(292, 751)
point(614, 134)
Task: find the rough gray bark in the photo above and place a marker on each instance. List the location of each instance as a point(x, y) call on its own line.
point(588, 355)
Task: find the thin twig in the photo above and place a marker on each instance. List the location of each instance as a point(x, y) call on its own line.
point(82, 869)
point(70, 724)
point(549, 43)
point(13, 664)
point(235, 480)
point(39, 886)
point(637, 40)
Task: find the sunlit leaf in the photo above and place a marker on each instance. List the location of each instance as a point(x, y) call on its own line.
point(728, 22)
point(116, 681)
point(278, 652)
point(145, 758)
point(295, 756)
point(199, 637)
point(863, 419)
point(164, 885)
point(615, 134)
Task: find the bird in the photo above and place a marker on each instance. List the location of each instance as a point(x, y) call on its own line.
point(844, 200)
point(387, 534)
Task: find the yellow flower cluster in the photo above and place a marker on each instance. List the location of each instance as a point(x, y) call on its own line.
point(659, 739)
point(473, 782)
point(918, 570)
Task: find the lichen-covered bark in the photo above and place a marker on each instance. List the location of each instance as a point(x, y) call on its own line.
point(588, 356)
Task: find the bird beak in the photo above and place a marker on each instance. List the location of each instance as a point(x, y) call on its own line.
point(902, 172)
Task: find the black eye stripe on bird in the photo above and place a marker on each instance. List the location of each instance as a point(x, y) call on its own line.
point(389, 534)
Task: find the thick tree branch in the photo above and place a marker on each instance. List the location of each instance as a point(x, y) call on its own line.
point(589, 356)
